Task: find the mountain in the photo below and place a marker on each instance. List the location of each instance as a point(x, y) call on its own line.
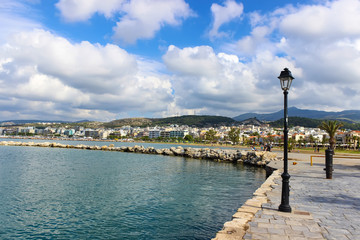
point(347, 115)
point(252, 121)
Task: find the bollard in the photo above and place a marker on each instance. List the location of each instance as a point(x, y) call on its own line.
point(329, 163)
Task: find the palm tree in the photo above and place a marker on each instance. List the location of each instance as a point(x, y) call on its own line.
point(311, 140)
point(331, 127)
point(347, 140)
point(355, 139)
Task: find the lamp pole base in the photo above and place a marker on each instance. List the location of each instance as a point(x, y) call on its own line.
point(285, 206)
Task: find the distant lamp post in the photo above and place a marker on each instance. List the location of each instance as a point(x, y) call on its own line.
point(285, 82)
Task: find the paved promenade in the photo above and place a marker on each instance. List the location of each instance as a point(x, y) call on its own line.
point(322, 208)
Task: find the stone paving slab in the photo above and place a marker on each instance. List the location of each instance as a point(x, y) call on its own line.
point(321, 208)
point(333, 205)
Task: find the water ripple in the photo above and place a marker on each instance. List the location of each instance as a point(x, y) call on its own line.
point(48, 193)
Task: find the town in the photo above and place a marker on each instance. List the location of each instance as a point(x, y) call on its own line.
point(249, 135)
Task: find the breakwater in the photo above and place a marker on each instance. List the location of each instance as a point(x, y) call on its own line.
point(260, 158)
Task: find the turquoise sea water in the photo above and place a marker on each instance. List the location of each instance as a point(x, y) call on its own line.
point(50, 193)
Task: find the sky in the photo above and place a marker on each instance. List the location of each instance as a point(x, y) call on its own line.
point(105, 60)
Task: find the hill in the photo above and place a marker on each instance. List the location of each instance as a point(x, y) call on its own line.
point(190, 120)
point(310, 123)
point(347, 115)
point(134, 122)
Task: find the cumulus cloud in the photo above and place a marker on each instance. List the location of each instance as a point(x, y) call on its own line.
point(219, 84)
point(254, 43)
point(333, 20)
point(143, 18)
point(320, 42)
point(89, 67)
point(43, 74)
point(82, 10)
point(223, 15)
point(39, 67)
point(138, 19)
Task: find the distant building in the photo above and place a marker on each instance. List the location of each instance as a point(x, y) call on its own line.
point(178, 134)
point(154, 133)
point(69, 132)
point(165, 134)
point(26, 130)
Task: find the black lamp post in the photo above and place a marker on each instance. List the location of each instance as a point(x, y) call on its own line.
point(285, 81)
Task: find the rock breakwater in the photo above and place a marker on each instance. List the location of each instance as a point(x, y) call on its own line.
point(260, 159)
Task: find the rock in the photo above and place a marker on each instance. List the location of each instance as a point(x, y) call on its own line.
point(167, 152)
point(159, 151)
point(177, 151)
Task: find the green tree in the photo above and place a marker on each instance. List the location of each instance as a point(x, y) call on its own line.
point(189, 138)
point(210, 135)
point(145, 138)
point(160, 139)
point(257, 135)
point(234, 135)
point(311, 140)
point(300, 141)
point(291, 144)
point(331, 127)
point(270, 138)
point(245, 140)
point(347, 141)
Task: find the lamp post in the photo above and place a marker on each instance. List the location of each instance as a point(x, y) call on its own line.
point(285, 82)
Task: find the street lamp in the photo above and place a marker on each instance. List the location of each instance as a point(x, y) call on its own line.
point(285, 82)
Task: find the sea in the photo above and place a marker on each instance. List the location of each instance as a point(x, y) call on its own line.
point(54, 193)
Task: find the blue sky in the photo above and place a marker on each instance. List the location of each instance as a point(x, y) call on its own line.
point(104, 60)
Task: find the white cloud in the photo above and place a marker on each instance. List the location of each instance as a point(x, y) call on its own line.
point(218, 84)
point(324, 63)
point(82, 10)
point(255, 43)
point(138, 19)
point(143, 18)
point(319, 42)
point(223, 15)
point(333, 20)
point(77, 79)
point(46, 75)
